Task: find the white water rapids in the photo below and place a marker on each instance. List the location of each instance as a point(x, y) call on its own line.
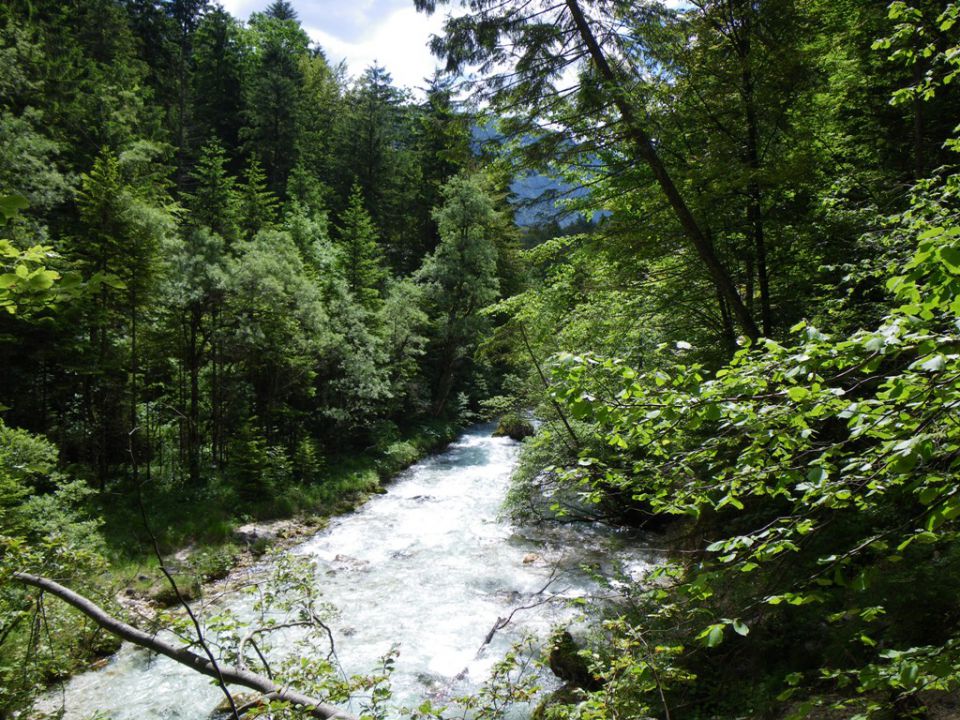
point(430, 566)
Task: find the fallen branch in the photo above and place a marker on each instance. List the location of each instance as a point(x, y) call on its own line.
point(502, 622)
point(192, 660)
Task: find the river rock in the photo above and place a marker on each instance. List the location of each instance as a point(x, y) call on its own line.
point(252, 533)
point(514, 426)
point(347, 562)
point(567, 664)
point(223, 711)
point(163, 594)
point(511, 597)
point(566, 694)
point(530, 558)
point(430, 680)
point(182, 556)
point(103, 644)
point(258, 533)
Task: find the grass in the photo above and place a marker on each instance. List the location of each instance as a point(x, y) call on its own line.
point(203, 519)
point(195, 530)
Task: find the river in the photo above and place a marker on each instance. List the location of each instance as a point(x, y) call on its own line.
point(430, 566)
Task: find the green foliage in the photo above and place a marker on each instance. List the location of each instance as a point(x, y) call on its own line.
point(218, 58)
point(361, 258)
point(272, 93)
point(820, 466)
point(460, 278)
point(221, 351)
point(44, 528)
point(27, 284)
point(926, 42)
point(213, 202)
point(258, 206)
point(514, 425)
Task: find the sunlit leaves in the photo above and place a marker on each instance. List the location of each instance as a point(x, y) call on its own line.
point(797, 441)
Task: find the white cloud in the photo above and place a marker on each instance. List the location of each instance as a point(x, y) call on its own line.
point(241, 9)
point(364, 31)
point(398, 43)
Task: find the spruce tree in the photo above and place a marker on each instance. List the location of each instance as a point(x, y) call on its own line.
point(258, 206)
point(362, 259)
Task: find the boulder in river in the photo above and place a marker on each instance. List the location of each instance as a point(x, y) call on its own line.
point(266, 532)
point(515, 426)
point(163, 594)
point(568, 664)
point(566, 694)
point(348, 562)
point(223, 711)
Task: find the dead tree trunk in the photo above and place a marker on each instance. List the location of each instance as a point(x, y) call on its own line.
point(230, 675)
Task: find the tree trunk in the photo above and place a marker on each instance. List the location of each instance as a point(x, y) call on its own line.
point(444, 385)
point(193, 412)
point(202, 665)
point(729, 334)
point(134, 370)
point(754, 193)
point(644, 147)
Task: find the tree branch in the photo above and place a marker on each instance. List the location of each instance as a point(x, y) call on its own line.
point(198, 663)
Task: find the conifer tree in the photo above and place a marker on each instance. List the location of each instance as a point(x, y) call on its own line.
point(460, 279)
point(258, 205)
point(125, 215)
point(213, 202)
point(219, 54)
point(362, 259)
point(273, 94)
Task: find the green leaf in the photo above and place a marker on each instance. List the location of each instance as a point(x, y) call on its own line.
point(10, 205)
point(950, 257)
point(928, 495)
point(712, 635)
point(934, 363)
point(817, 474)
point(909, 674)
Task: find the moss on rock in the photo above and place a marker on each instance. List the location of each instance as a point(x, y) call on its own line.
point(514, 426)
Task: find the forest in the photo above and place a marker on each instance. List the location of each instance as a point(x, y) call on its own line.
point(244, 282)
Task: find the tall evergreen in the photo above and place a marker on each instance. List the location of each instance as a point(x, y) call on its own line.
point(272, 95)
point(258, 206)
point(219, 57)
point(361, 257)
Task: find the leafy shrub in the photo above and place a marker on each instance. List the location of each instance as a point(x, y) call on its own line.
point(822, 473)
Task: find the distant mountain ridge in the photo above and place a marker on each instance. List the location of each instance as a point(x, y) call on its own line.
point(535, 194)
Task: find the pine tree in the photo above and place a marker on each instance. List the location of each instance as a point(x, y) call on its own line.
point(219, 54)
point(258, 206)
point(362, 259)
point(213, 202)
point(281, 10)
point(125, 214)
point(273, 95)
point(460, 279)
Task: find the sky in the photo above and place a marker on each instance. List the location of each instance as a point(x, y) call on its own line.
point(390, 32)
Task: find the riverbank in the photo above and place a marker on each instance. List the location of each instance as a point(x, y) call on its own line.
point(433, 547)
point(206, 544)
point(206, 534)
